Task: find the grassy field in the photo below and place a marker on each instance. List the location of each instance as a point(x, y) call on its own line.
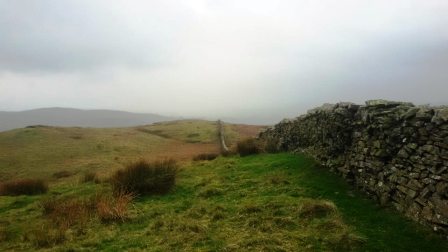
point(42, 151)
point(235, 132)
point(268, 202)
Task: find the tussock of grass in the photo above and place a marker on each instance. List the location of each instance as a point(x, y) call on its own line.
point(66, 212)
point(113, 208)
point(145, 178)
point(68, 216)
point(23, 187)
point(249, 146)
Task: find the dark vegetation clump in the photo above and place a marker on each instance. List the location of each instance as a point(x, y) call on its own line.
point(159, 133)
point(23, 187)
point(249, 146)
point(37, 126)
point(145, 178)
point(205, 156)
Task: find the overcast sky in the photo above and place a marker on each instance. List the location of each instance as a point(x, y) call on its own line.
point(255, 61)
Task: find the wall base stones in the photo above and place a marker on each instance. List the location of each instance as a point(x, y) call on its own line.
point(394, 151)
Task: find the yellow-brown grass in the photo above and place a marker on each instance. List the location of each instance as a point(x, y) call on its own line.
point(66, 212)
point(114, 208)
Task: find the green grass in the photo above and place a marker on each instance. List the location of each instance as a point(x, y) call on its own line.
point(256, 203)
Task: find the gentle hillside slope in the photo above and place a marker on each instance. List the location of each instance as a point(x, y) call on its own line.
point(68, 117)
point(278, 202)
point(41, 151)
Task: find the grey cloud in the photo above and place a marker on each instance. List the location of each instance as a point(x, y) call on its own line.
point(75, 35)
point(253, 61)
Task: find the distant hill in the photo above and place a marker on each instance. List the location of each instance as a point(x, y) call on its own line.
point(76, 117)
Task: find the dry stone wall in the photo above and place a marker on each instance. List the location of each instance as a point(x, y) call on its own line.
point(394, 151)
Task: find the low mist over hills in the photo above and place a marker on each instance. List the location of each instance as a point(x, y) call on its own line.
point(76, 117)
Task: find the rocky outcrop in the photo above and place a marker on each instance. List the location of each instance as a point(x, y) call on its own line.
point(394, 151)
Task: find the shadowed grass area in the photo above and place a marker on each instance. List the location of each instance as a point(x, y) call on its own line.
point(269, 202)
point(23, 187)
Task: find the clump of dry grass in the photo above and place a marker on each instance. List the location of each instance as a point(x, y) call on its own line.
point(71, 213)
point(23, 187)
point(205, 156)
point(113, 208)
point(62, 214)
point(145, 177)
point(66, 212)
point(249, 146)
